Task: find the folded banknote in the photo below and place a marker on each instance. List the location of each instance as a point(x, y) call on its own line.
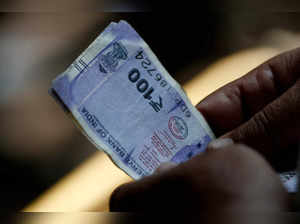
point(127, 104)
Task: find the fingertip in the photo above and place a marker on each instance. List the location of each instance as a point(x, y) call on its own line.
point(115, 200)
point(220, 143)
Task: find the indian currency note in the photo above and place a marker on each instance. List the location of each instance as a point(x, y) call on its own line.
point(123, 99)
point(289, 180)
point(128, 105)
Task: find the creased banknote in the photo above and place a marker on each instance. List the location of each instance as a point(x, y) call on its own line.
point(127, 104)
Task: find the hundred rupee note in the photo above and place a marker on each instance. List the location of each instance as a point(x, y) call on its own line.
point(128, 105)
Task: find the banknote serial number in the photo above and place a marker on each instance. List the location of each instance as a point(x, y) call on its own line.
point(148, 67)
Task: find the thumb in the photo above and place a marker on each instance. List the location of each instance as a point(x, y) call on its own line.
point(226, 177)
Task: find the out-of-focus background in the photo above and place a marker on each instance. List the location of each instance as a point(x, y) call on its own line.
point(39, 145)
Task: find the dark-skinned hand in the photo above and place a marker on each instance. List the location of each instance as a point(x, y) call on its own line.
point(257, 120)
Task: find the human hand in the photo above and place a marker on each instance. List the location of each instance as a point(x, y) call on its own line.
point(260, 110)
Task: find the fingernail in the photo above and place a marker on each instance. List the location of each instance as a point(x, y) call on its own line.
point(219, 143)
point(165, 167)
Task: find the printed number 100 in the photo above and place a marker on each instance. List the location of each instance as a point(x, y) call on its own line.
point(141, 84)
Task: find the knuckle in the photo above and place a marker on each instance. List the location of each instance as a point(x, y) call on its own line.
point(262, 122)
point(265, 78)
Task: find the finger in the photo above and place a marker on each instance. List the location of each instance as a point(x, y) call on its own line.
point(261, 109)
point(126, 197)
point(219, 180)
point(275, 129)
point(152, 192)
point(235, 103)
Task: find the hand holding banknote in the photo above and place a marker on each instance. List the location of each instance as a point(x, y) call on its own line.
point(261, 110)
point(128, 105)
